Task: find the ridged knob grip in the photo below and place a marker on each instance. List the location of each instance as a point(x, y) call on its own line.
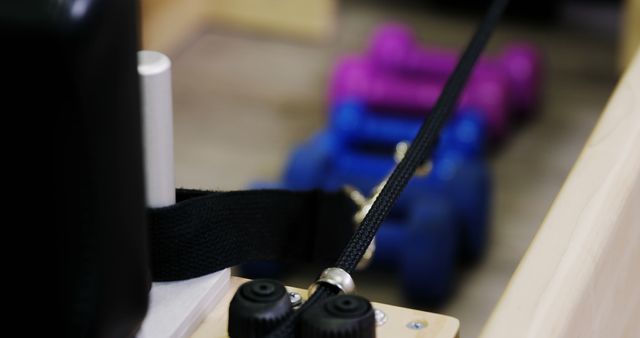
point(257, 307)
point(343, 316)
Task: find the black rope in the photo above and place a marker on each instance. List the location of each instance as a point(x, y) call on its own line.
point(419, 151)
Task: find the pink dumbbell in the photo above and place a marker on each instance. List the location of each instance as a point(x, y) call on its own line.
point(394, 47)
point(357, 77)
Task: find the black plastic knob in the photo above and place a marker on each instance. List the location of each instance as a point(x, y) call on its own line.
point(343, 316)
point(257, 307)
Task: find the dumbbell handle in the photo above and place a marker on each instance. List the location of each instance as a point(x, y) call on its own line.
point(355, 78)
point(356, 125)
point(439, 63)
point(394, 48)
point(359, 127)
point(436, 62)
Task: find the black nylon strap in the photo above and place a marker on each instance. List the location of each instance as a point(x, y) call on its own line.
point(208, 231)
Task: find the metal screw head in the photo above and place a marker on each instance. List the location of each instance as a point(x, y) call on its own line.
point(416, 325)
point(380, 316)
point(295, 298)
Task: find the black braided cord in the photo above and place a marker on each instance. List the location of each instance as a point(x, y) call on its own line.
point(419, 151)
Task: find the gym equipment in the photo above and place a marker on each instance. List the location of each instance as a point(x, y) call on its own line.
point(439, 219)
point(423, 249)
point(461, 180)
point(356, 77)
point(328, 161)
point(355, 125)
point(395, 48)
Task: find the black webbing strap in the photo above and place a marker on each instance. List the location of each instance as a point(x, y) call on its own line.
point(420, 150)
point(208, 231)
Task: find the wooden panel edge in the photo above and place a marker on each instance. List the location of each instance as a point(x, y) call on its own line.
point(580, 276)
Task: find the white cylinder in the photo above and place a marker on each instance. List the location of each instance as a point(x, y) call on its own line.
point(157, 127)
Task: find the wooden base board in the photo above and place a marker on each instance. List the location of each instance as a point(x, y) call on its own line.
point(437, 326)
point(581, 276)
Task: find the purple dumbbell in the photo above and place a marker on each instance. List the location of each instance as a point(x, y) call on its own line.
point(357, 77)
point(394, 47)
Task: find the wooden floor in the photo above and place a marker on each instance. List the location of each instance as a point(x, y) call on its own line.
point(242, 102)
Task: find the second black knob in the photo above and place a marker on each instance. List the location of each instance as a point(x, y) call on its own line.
point(343, 316)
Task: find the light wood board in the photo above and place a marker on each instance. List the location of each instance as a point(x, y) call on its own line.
point(437, 326)
point(581, 275)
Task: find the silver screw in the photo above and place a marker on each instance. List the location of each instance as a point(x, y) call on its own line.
point(381, 317)
point(416, 325)
point(295, 298)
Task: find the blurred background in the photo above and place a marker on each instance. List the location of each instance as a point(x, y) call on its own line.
point(255, 80)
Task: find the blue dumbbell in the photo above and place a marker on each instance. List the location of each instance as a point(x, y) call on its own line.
point(424, 252)
point(334, 157)
point(466, 134)
point(423, 249)
point(364, 171)
point(310, 161)
point(313, 161)
point(355, 125)
point(466, 182)
point(332, 164)
point(422, 243)
point(462, 141)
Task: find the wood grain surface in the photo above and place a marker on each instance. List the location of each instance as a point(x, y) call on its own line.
point(435, 325)
point(581, 275)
